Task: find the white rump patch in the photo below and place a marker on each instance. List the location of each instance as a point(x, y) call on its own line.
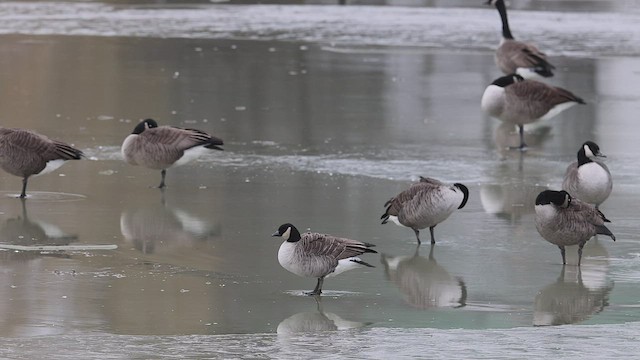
point(51, 166)
point(345, 265)
point(557, 110)
point(191, 154)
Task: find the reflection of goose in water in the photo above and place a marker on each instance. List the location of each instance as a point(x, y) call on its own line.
point(149, 228)
point(568, 300)
point(509, 201)
point(25, 231)
point(424, 282)
point(314, 321)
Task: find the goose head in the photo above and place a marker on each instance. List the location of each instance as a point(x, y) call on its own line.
point(288, 232)
point(558, 198)
point(144, 125)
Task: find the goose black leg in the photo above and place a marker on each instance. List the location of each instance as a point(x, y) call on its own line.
point(417, 235)
point(24, 188)
point(318, 290)
point(564, 260)
point(433, 238)
point(162, 184)
point(523, 146)
point(580, 246)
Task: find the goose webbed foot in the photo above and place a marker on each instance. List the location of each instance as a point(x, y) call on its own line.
point(318, 290)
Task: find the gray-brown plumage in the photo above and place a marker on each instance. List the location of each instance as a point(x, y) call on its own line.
point(425, 204)
point(161, 147)
point(588, 179)
point(565, 221)
point(319, 255)
point(25, 153)
point(513, 56)
point(513, 99)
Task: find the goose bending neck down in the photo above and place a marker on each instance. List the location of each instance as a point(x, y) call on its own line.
point(161, 147)
point(25, 153)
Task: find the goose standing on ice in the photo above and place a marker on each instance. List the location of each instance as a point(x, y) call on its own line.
point(161, 147)
point(565, 221)
point(425, 204)
point(514, 56)
point(25, 153)
point(588, 179)
point(319, 255)
point(513, 99)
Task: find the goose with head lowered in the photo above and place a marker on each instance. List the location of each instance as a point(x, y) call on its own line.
point(425, 204)
point(25, 153)
point(588, 179)
point(319, 255)
point(565, 221)
point(161, 147)
point(513, 56)
point(513, 99)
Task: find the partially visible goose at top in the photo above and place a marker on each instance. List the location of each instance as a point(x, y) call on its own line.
point(161, 147)
point(25, 153)
point(565, 221)
point(588, 179)
point(425, 204)
point(319, 255)
point(514, 56)
point(515, 100)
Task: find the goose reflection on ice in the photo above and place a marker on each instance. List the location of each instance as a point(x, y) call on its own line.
point(424, 282)
point(153, 227)
point(570, 299)
point(509, 201)
point(315, 321)
point(25, 231)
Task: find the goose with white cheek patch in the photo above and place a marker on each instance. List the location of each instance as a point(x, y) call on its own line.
point(513, 56)
point(513, 99)
point(425, 204)
point(25, 153)
point(565, 221)
point(161, 147)
point(319, 255)
point(588, 179)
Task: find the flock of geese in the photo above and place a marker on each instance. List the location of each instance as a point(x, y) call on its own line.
point(564, 218)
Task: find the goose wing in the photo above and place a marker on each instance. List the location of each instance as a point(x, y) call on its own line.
point(583, 215)
point(322, 245)
point(32, 144)
point(396, 203)
point(570, 181)
point(177, 138)
point(537, 98)
point(516, 54)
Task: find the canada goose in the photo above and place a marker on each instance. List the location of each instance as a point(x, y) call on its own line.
point(514, 56)
point(161, 147)
point(318, 255)
point(424, 282)
point(514, 100)
point(588, 179)
point(425, 204)
point(564, 221)
point(24, 153)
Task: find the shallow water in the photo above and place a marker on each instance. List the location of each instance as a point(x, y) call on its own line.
point(320, 136)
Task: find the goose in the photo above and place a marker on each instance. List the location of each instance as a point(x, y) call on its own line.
point(563, 221)
point(161, 147)
point(513, 99)
point(514, 56)
point(319, 255)
point(588, 179)
point(425, 204)
point(25, 153)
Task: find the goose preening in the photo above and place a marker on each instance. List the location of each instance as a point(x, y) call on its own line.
point(514, 56)
point(319, 255)
point(425, 204)
point(161, 147)
point(588, 179)
point(513, 99)
point(424, 282)
point(564, 221)
point(25, 153)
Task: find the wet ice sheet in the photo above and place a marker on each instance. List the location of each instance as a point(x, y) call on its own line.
point(567, 33)
point(602, 342)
